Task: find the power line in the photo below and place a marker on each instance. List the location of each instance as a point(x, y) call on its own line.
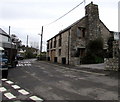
point(65, 13)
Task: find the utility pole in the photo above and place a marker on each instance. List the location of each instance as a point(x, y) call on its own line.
point(39, 44)
point(84, 2)
point(10, 46)
point(27, 41)
point(9, 30)
point(41, 40)
point(41, 36)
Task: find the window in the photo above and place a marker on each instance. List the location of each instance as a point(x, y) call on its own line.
point(80, 32)
point(4, 38)
point(80, 52)
point(59, 52)
point(48, 45)
point(51, 44)
point(60, 40)
point(83, 32)
point(55, 43)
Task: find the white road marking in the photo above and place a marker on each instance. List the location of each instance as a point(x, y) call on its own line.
point(24, 64)
point(9, 82)
point(3, 79)
point(15, 86)
point(21, 65)
point(28, 64)
point(9, 95)
point(35, 98)
point(2, 89)
point(22, 91)
point(81, 78)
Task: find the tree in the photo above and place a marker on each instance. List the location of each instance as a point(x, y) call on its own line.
point(16, 40)
point(109, 53)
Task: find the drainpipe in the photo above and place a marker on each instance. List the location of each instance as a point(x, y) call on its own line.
point(68, 46)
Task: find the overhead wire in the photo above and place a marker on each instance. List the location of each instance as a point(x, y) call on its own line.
point(65, 13)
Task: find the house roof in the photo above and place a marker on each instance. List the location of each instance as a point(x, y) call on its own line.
point(69, 27)
point(2, 32)
point(104, 25)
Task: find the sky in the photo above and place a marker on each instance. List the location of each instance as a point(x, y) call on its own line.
point(26, 17)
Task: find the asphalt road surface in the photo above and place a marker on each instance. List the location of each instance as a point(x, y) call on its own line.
point(39, 81)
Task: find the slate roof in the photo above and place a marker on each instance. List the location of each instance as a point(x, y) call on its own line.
point(2, 32)
point(69, 27)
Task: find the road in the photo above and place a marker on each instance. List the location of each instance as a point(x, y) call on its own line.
point(40, 80)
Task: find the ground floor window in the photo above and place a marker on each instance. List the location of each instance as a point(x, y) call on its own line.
point(80, 52)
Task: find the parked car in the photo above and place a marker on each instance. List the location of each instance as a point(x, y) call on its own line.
point(19, 57)
point(3, 63)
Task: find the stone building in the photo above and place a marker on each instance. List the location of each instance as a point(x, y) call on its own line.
point(69, 45)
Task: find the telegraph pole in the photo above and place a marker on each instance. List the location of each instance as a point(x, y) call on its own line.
point(27, 41)
point(10, 46)
point(9, 30)
point(41, 40)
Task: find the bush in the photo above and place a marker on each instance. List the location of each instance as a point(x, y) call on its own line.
point(109, 53)
point(95, 53)
point(29, 54)
point(88, 59)
point(42, 56)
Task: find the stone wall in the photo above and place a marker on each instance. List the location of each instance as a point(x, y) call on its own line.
point(113, 63)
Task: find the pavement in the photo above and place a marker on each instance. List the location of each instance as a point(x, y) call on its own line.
point(97, 67)
point(93, 68)
point(100, 66)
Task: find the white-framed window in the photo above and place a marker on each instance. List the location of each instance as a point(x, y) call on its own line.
point(4, 38)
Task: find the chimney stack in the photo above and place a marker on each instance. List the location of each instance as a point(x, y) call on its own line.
point(92, 21)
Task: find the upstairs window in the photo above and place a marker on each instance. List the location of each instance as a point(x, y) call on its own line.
point(51, 44)
point(83, 32)
point(60, 40)
point(55, 43)
point(47, 45)
point(80, 32)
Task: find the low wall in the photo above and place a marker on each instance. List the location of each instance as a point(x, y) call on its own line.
point(112, 64)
